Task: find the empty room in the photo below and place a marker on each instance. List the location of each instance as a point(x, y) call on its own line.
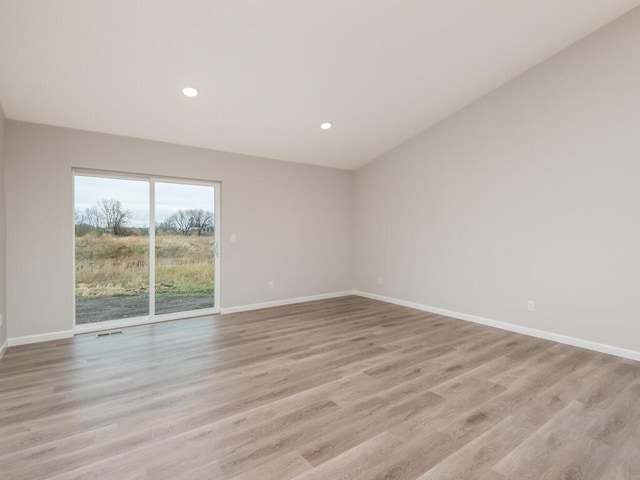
point(309, 240)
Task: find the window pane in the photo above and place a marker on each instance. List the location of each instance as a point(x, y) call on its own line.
point(185, 235)
point(112, 248)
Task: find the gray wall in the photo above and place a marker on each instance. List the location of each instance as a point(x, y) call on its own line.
point(293, 222)
point(3, 236)
point(532, 192)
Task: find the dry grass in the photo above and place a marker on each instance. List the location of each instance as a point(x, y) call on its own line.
point(109, 265)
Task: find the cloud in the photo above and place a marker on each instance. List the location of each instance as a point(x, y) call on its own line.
point(134, 196)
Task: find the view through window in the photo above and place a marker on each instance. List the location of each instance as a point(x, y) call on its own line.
point(115, 265)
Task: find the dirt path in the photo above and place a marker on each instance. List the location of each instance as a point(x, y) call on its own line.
point(99, 309)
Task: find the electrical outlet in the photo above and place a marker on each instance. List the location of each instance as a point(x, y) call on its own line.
point(531, 305)
point(272, 284)
point(233, 238)
point(380, 281)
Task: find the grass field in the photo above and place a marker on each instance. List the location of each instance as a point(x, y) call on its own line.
point(107, 265)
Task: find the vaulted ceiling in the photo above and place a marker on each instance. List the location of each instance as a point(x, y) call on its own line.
point(269, 72)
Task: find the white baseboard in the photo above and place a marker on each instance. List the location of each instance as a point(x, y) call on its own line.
point(554, 337)
point(287, 301)
point(43, 337)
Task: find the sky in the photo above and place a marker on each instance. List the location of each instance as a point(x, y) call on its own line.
point(134, 196)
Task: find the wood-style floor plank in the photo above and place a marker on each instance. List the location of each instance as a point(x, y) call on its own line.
point(347, 388)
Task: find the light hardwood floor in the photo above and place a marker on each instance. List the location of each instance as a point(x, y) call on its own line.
point(347, 388)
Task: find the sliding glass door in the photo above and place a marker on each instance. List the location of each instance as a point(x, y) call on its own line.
point(185, 244)
point(112, 248)
point(145, 249)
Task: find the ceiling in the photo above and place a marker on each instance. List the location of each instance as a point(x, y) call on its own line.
point(271, 71)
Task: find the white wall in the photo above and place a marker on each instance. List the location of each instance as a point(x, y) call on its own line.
point(3, 230)
point(292, 221)
point(532, 192)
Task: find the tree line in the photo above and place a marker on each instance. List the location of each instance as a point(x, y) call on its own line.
point(109, 216)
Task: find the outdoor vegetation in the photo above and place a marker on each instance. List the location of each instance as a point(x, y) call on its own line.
point(112, 257)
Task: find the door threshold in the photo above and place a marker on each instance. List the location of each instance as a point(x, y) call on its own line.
point(147, 320)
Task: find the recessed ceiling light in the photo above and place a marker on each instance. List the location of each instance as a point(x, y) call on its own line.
point(326, 125)
point(189, 91)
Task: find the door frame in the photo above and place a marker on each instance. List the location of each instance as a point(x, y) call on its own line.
point(152, 317)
